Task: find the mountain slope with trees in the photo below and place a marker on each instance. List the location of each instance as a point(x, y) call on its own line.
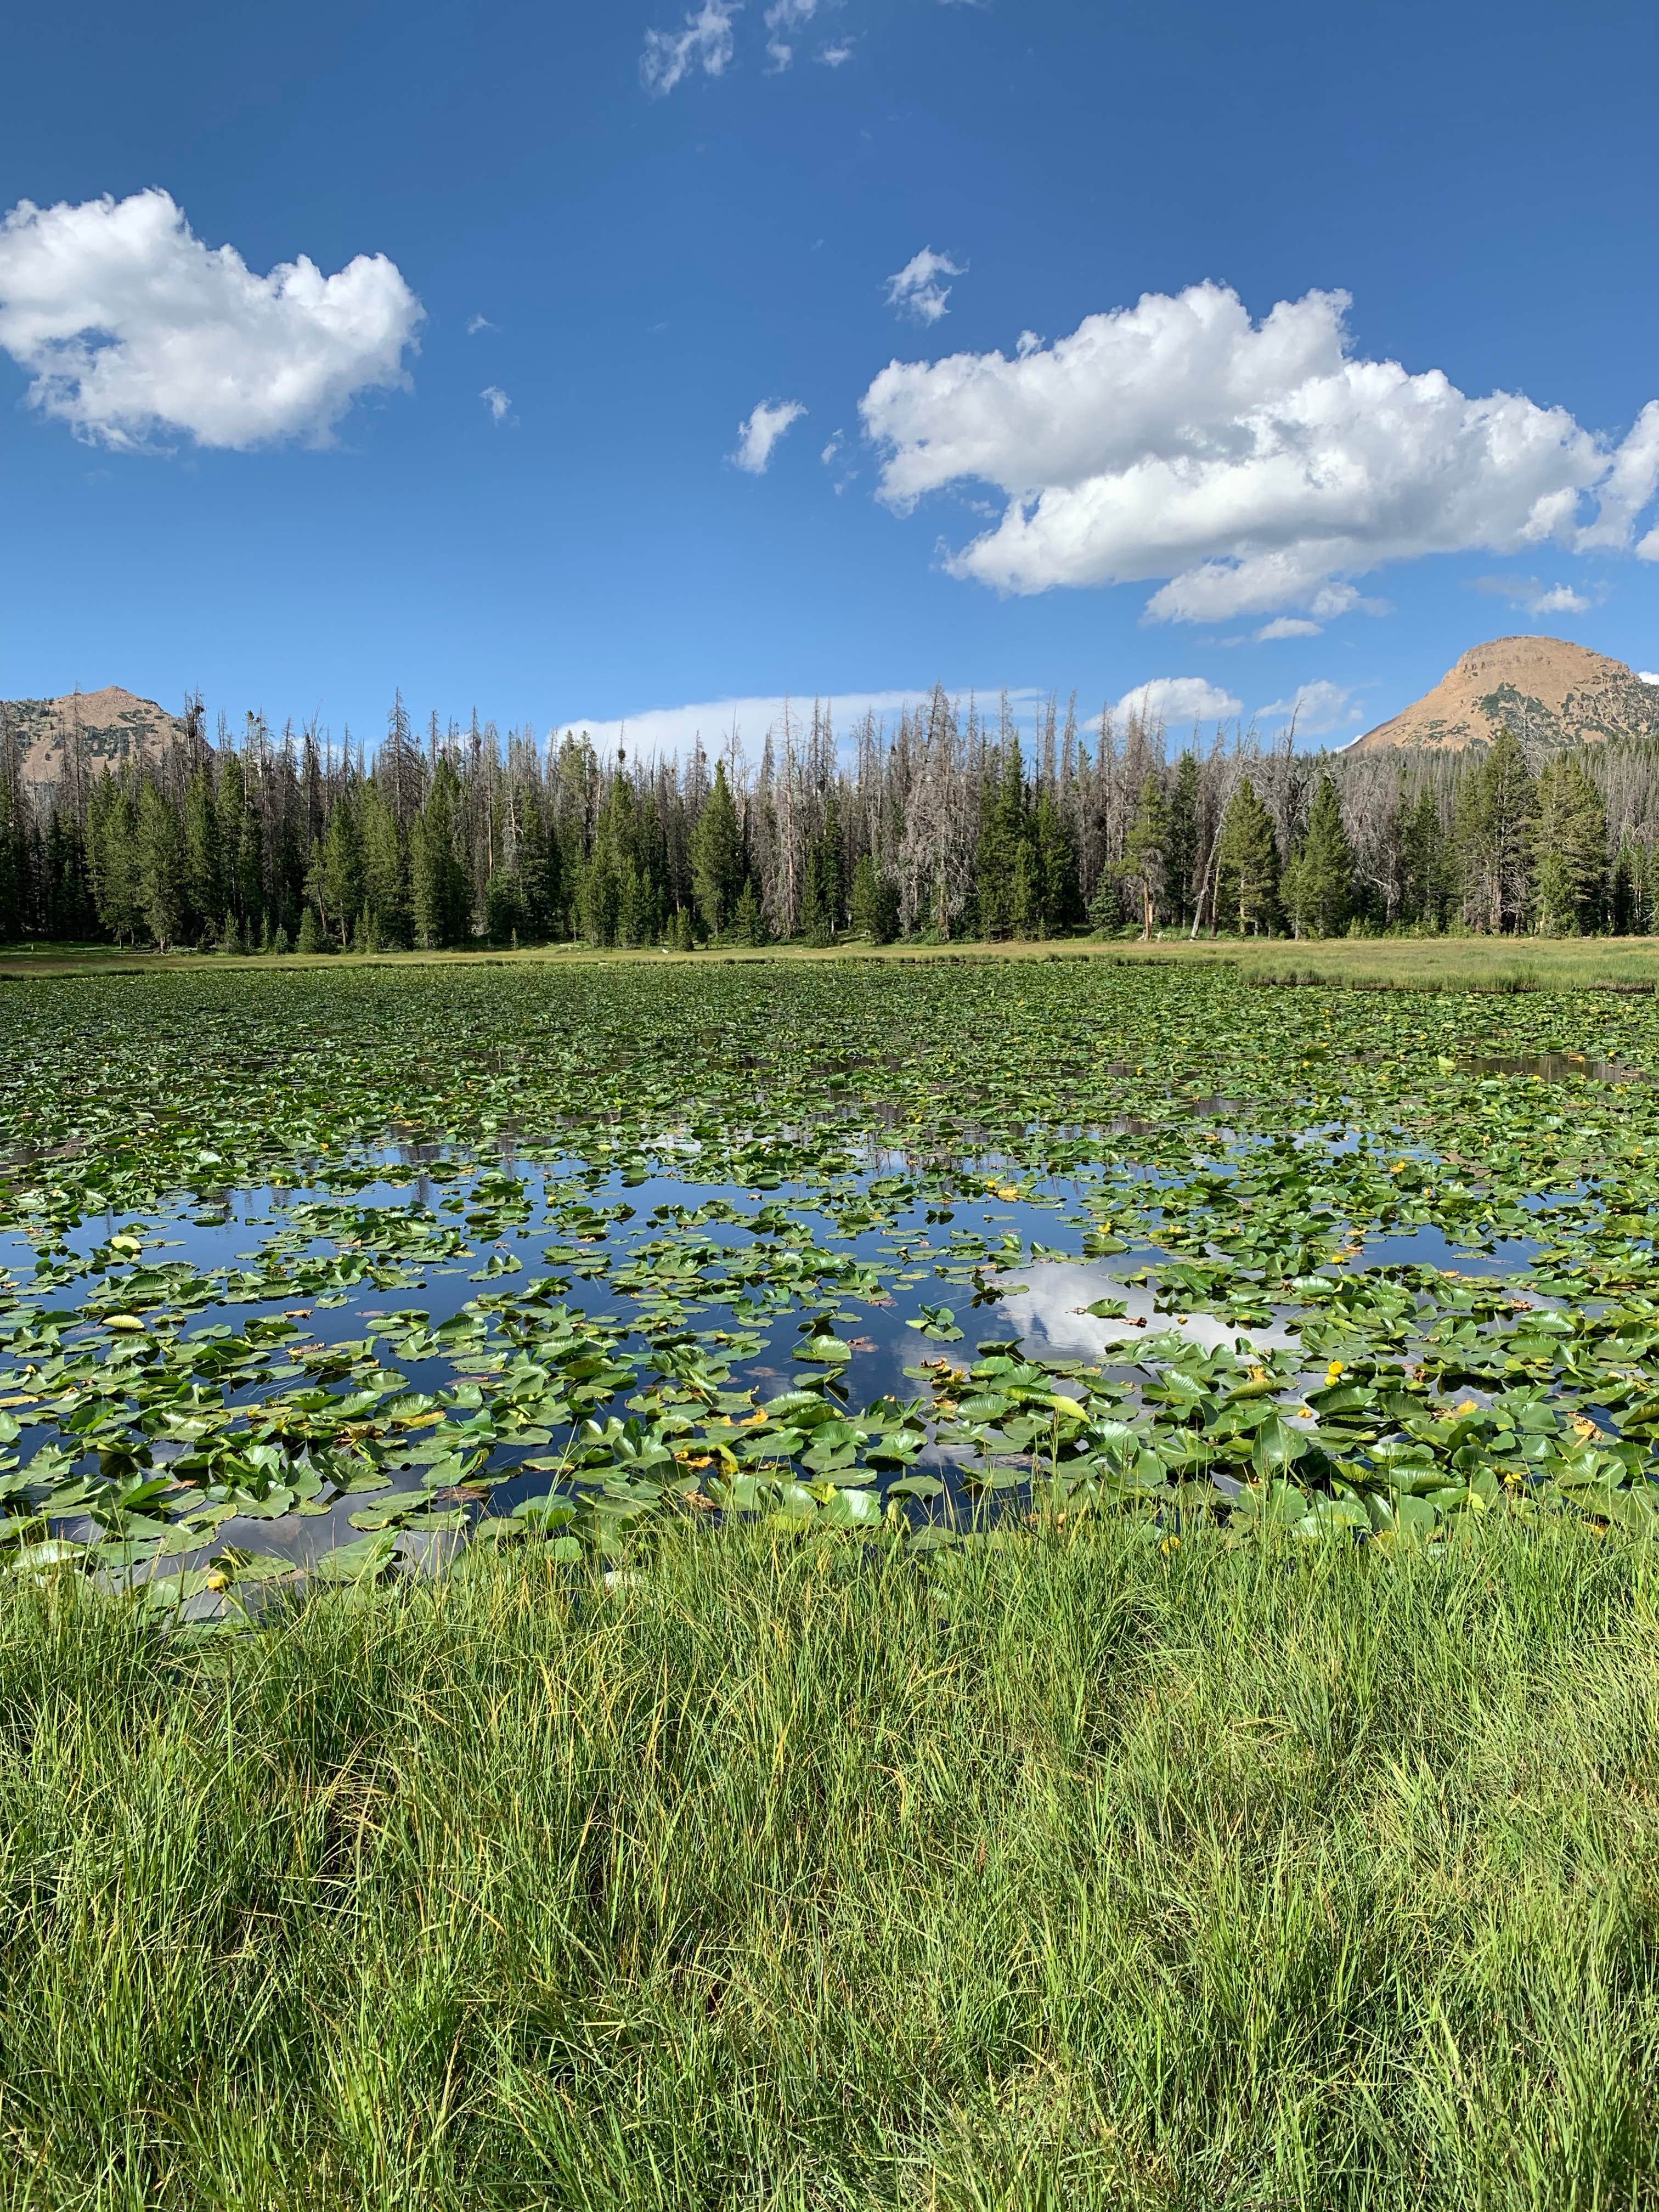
point(951, 824)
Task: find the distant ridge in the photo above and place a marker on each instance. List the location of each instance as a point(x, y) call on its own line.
point(114, 726)
point(1548, 691)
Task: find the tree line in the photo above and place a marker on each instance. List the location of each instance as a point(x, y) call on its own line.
point(951, 825)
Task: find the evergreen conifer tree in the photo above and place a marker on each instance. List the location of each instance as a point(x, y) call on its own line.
point(1572, 840)
point(160, 867)
point(1181, 855)
point(1493, 829)
point(440, 898)
point(112, 861)
point(1143, 868)
point(540, 873)
point(385, 865)
point(12, 853)
point(717, 871)
point(1426, 873)
point(1002, 837)
point(1320, 885)
point(335, 881)
point(875, 903)
point(1248, 860)
point(1060, 900)
point(503, 906)
point(204, 900)
point(1025, 893)
point(751, 919)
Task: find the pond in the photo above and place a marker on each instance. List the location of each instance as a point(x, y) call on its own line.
point(757, 1260)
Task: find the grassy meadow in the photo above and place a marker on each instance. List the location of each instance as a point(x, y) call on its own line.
point(816, 1582)
point(1427, 962)
point(1067, 1873)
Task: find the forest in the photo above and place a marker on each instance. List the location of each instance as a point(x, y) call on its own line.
point(952, 825)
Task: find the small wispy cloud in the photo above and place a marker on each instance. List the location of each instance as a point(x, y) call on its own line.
point(834, 446)
point(479, 322)
point(916, 290)
point(1316, 709)
point(832, 55)
point(1535, 597)
point(759, 432)
point(705, 43)
point(1288, 626)
point(783, 19)
point(500, 406)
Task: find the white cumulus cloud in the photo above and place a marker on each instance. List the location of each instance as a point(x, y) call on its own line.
point(705, 43)
point(1316, 709)
point(916, 289)
point(759, 432)
point(132, 328)
point(1176, 699)
point(1246, 468)
point(500, 406)
point(1646, 676)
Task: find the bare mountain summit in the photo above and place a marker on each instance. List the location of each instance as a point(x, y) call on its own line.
point(1548, 692)
point(105, 728)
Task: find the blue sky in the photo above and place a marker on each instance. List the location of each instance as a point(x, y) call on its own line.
point(499, 465)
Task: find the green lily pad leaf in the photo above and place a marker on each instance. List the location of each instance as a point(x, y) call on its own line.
point(348, 1562)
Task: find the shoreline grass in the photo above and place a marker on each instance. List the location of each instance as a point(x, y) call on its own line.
point(1477, 964)
point(1059, 1871)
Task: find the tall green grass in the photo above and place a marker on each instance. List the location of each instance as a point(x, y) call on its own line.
point(1056, 1873)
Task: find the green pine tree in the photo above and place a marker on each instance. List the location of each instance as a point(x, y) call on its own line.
point(334, 883)
point(112, 861)
point(1003, 835)
point(717, 871)
point(1570, 833)
point(750, 923)
point(205, 898)
point(503, 906)
point(160, 855)
point(1249, 863)
point(1143, 869)
point(1060, 900)
point(1025, 892)
point(385, 865)
point(540, 871)
point(1427, 873)
point(875, 903)
point(440, 898)
point(66, 892)
point(13, 862)
point(1181, 855)
point(1493, 834)
point(832, 864)
point(234, 819)
point(1318, 889)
